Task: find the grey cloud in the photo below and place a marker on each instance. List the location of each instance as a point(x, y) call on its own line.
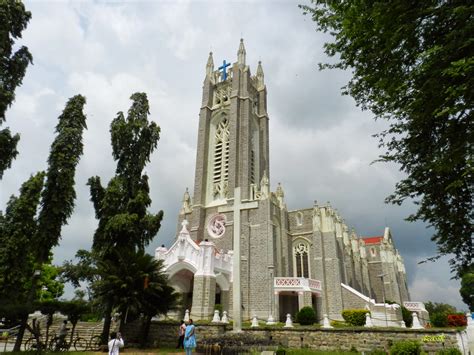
point(321, 145)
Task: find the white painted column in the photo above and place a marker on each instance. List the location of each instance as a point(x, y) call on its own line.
point(236, 289)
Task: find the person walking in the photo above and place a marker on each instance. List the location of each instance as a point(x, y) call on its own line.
point(190, 338)
point(181, 331)
point(115, 343)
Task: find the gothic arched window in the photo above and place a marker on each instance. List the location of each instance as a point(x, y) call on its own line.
point(301, 259)
point(220, 170)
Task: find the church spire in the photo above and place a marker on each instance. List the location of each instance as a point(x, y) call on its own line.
point(241, 53)
point(260, 82)
point(210, 65)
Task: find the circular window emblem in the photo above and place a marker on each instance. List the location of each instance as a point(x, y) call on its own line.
point(216, 226)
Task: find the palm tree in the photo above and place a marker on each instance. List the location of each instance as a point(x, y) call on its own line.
point(133, 283)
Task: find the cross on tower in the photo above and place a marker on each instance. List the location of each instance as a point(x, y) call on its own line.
point(236, 296)
point(224, 71)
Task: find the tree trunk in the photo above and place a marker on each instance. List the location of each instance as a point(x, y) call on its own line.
point(107, 322)
point(21, 333)
point(72, 332)
point(145, 330)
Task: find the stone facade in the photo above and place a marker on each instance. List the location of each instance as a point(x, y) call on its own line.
point(285, 259)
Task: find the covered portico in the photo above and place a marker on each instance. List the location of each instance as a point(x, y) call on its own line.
point(294, 293)
point(199, 271)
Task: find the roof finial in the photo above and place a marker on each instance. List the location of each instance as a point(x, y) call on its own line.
point(184, 223)
point(209, 65)
point(241, 53)
point(260, 76)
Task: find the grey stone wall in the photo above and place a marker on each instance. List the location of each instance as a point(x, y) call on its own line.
point(204, 295)
point(351, 301)
point(165, 335)
point(362, 340)
point(375, 269)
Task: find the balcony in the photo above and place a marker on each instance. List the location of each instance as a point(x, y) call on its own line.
point(296, 284)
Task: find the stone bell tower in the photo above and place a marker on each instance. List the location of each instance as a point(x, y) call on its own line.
point(231, 207)
point(233, 149)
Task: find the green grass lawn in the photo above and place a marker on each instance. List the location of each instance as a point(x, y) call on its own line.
point(315, 352)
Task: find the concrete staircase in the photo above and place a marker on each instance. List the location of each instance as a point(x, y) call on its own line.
point(84, 330)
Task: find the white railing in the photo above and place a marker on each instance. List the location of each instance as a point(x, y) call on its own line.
point(415, 306)
point(296, 284)
point(223, 262)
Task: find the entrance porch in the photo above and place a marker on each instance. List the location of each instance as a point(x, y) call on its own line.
point(294, 293)
point(198, 271)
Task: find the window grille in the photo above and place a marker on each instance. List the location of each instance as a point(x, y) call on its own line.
point(301, 259)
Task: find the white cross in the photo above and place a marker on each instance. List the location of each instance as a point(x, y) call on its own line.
point(237, 207)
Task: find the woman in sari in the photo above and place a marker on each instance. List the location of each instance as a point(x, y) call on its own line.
point(189, 338)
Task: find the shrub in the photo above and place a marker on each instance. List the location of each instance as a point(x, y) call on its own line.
point(439, 320)
point(405, 348)
point(407, 317)
point(218, 307)
point(457, 320)
point(449, 351)
point(355, 317)
point(306, 316)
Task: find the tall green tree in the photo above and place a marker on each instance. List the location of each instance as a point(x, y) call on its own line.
point(17, 229)
point(122, 207)
point(58, 195)
point(412, 64)
point(32, 223)
point(125, 225)
point(13, 20)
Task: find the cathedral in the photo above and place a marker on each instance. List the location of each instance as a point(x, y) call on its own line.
point(239, 249)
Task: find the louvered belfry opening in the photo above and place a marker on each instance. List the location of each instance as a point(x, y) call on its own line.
point(221, 158)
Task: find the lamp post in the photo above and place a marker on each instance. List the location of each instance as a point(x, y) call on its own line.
point(383, 296)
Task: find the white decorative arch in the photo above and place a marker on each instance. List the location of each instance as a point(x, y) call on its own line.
point(172, 269)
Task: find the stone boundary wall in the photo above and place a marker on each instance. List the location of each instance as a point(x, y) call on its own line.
point(360, 339)
point(165, 334)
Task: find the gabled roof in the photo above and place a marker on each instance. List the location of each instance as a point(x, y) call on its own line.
point(373, 240)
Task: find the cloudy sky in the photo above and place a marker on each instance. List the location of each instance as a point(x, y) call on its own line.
point(321, 144)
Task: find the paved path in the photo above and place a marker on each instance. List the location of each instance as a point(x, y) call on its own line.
point(8, 347)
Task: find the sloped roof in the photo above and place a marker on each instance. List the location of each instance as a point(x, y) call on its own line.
point(373, 240)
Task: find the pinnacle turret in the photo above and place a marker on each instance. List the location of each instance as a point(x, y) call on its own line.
point(241, 53)
point(260, 75)
point(210, 65)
